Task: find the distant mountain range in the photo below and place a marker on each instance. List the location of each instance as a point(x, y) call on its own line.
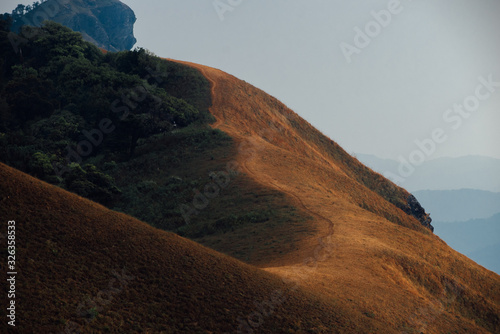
point(468, 220)
point(470, 172)
point(459, 205)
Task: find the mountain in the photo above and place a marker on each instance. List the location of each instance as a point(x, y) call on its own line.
point(109, 24)
point(374, 259)
point(313, 240)
point(459, 205)
point(470, 172)
point(479, 239)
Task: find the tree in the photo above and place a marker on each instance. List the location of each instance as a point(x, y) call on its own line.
point(91, 183)
point(18, 11)
point(28, 95)
point(5, 22)
point(53, 40)
point(40, 166)
point(62, 125)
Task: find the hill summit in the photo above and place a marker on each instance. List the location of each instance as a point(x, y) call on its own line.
point(109, 24)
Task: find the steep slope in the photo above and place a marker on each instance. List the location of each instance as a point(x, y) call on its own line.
point(385, 262)
point(223, 209)
point(84, 268)
point(263, 125)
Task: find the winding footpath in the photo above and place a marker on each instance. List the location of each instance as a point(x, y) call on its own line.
point(217, 109)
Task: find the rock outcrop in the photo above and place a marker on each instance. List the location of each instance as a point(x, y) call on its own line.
point(108, 24)
point(415, 209)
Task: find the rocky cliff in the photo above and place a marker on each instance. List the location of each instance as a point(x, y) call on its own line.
point(106, 23)
point(416, 210)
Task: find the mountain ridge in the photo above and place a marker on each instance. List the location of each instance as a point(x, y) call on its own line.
point(285, 123)
point(362, 228)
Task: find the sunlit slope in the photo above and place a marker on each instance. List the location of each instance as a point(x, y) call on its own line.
point(273, 138)
point(82, 267)
point(385, 263)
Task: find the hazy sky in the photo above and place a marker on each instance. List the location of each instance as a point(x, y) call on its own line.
point(420, 61)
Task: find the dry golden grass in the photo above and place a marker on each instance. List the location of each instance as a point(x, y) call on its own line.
point(84, 268)
point(383, 262)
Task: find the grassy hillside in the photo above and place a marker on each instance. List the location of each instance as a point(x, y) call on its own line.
point(171, 173)
point(385, 263)
point(234, 169)
point(158, 154)
point(84, 268)
point(252, 116)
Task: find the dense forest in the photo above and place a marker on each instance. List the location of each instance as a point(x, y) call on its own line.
point(69, 110)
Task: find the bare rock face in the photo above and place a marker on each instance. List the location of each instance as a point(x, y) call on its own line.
point(415, 209)
point(109, 24)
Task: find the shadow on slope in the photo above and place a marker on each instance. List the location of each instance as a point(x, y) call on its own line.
point(385, 255)
point(84, 267)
